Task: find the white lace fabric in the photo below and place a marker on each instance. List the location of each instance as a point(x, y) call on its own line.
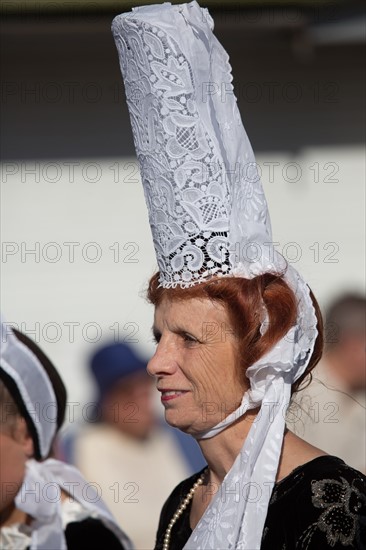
point(40, 498)
point(33, 384)
point(209, 217)
point(179, 154)
point(206, 204)
point(18, 536)
point(15, 537)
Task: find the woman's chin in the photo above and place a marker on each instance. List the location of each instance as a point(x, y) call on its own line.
point(184, 425)
point(175, 420)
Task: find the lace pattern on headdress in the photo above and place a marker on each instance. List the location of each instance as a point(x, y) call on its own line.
point(187, 196)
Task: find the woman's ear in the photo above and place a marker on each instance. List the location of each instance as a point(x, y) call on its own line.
point(22, 436)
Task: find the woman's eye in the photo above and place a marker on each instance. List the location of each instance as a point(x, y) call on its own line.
point(189, 338)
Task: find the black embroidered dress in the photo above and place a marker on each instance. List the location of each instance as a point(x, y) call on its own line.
point(321, 504)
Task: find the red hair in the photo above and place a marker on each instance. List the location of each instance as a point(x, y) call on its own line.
point(243, 300)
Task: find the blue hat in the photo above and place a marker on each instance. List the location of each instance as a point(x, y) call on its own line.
point(112, 363)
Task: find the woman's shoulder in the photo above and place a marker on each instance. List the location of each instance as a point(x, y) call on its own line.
point(84, 529)
point(90, 533)
point(325, 505)
point(333, 466)
point(319, 475)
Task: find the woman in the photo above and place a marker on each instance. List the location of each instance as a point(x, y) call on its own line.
point(318, 501)
point(44, 503)
point(237, 328)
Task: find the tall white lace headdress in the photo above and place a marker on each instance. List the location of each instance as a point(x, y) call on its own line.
point(209, 217)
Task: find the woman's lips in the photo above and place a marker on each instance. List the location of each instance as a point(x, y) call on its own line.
point(168, 395)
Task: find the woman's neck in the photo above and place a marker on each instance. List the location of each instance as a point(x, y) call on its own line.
point(221, 451)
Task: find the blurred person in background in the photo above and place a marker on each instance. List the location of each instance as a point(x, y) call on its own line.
point(44, 503)
point(335, 399)
point(134, 459)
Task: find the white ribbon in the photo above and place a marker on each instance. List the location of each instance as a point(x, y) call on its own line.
point(40, 498)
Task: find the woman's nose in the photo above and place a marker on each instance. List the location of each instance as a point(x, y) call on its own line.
point(163, 361)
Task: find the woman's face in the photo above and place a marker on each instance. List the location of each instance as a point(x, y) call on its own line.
point(15, 449)
point(195, 363)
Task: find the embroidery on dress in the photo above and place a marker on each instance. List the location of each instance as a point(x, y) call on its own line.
point(341, 503)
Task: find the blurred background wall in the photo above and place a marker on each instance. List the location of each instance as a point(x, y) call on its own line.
point(76, 245)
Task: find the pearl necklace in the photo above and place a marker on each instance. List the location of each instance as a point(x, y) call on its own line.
point(181, 509)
